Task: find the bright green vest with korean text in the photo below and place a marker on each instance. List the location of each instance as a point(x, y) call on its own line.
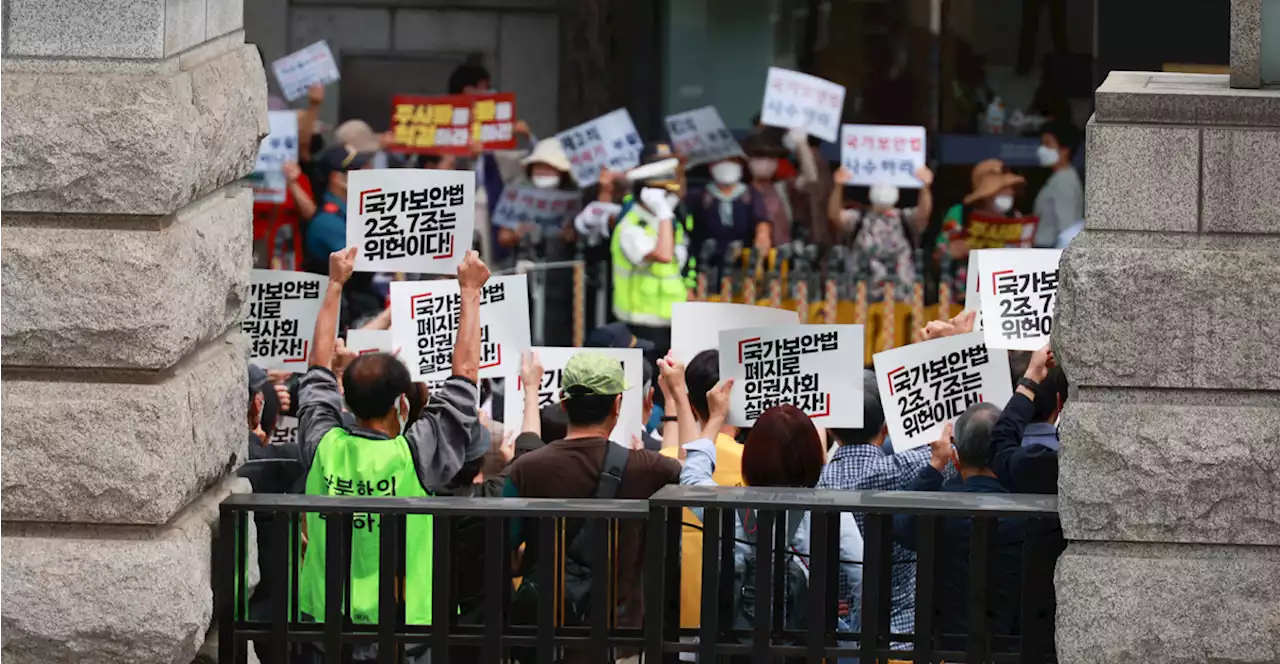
point(348, 465)
point(643, 294)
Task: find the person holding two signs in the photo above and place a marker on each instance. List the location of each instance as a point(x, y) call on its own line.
point(883, 237)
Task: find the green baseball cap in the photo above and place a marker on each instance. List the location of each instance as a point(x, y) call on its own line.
point(593, 373)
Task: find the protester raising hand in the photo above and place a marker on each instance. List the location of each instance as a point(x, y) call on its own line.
point(531, 380)
point(342, 264)
point(472, 275)
point(717, 408)
point(472, 272)
point(1038, 369)
point(962, 323)
point(671, 377)
point(941, 450)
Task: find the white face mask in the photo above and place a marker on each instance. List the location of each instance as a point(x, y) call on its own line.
point(1004, 203)
point(884, 195)
point(789, 142)
point(763, 167)
point(545, 181)
point(1048, 156)
point(726, 172)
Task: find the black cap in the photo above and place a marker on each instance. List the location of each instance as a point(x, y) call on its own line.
point(342, 158)
point(617, 335)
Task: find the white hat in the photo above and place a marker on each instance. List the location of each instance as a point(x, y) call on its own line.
point(663, 168)
point(549, 151)
point(359, 135)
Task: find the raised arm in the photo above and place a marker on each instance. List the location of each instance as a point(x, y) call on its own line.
point(531, 377)
point(656, 200)
point(924, 206)
point(301, 197)
point(341, 264)
point(671, 371)
point(472, 275)
point(835, 203)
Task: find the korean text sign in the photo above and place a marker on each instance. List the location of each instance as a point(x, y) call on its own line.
point(363, 342)
point(448, 124)
point(410, 220)
point(550, 392)
point(696, 326)
point(989, 232)
point(793, 99)
point(424, 325)
point(286, 431)
point(925, 385)
point(701, 136)
point(548, 208)
point(609, 141)
point(283, 307)
point(280, 146)
point(888, 154)
point(815, 368)
point(1019, 290)
point(302, 69)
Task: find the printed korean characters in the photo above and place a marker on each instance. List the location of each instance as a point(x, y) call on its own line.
point(280, 146)
point(286, 431)
point(812, 367)
point(424, 325)
point(553, 360)
point(925, 385)
point(793, 99)
point(410, 220)
point(696, 326)
point(302, 69)
point(882, 154)
point(983, 231)
point(702, 136)
point(609, 141)
point(363, 342)
point(548, 208)
point(1019, 289)
point(449, 124)
point(282, 317)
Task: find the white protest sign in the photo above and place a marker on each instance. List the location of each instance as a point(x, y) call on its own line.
point(609, 141)
point(793, 99)
point(283, 307)
point(410, 219)
point(925, 385)
point(702, 136)
point(286, 431)
point(279, 146)
point(302, 69)
point(696, 326)
point(424, 325)
point(363, 342)
point(1019, 289)
point(548, 208)
point(812, 367)
point(553, 360)
point(888, 154)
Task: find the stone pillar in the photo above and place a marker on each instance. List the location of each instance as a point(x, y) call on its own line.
point(126, 256)
point(1167, 327)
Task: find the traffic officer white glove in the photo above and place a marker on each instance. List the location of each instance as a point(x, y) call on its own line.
point(593, 222)
point(656, 200)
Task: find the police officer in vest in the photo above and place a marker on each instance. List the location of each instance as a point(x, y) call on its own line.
point(396, 446)
point(650, 249)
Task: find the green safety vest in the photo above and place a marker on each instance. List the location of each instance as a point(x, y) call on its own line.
point(348, 465)
point(643, 294)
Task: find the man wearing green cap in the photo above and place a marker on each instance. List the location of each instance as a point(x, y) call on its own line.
point(587, 465)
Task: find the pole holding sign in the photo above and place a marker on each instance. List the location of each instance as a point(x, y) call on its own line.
point(449, 124)
point(553, 360)
point(1019, 288)
point(702, 137)
point(793, 99)
point(609, 141)
point(696, 326)
point(410, 220)
point(313, 65)
point(883, 154)
point(283, 307)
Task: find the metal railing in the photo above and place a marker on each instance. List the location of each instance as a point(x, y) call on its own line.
point(281, 633)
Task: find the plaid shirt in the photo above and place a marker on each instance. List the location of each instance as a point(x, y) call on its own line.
point(867, 468)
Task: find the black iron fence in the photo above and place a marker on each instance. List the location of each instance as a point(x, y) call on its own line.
point(997, 552)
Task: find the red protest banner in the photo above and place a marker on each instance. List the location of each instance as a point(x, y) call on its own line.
point(447, 124)
point(991, 232)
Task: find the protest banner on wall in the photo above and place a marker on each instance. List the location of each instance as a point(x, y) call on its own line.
point(279, 146)
point(548, 208)
point(283, 307)
point(302, 69)
point(882, 154)
point(983, 231)
point(701, 136)
point(553, 360)
point(286, 431)
point(925, 385)
point(410, 220)
point(1019, 289)
point(609, 141)
point(696, 326)
point(812, 367)
point(448, 124)
point(793, 99)
point(424, 325)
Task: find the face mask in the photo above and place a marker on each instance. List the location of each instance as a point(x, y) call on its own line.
point(884, 195)
point(1004, 203)
point(726, 172)
point(1048, 156)
point(546, 181)
point(763, 168)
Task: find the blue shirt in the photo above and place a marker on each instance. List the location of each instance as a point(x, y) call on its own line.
point(1040, 433)
point(327, 231)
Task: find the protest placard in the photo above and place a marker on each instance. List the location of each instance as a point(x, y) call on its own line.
point(553, 360)
point(983, 231)
point(302, 69)
point(410, 220)
point(283, 307)
point(882, 154)
point(424, 325)
point(925, 385)
point(363, 342)
point(279, 146)
point(702, 136)
point(1019, 288)
point(696, 326)
point(793, 99)
point(815, 368)
point(449, 124)
point(548, 208)
point(609, 141)
point(286, 431)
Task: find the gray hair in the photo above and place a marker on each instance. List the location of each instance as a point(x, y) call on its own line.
point(972, 436)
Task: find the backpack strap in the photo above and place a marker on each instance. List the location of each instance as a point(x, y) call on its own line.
point(611, 472)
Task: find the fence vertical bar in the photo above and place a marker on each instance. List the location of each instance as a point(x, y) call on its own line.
point(708, 630)
point(674, 521)
point(495, 574)
point(819, 581)
point(336, 572)
point(388, 567)
point(600, 609)
point(874, 566)
point(441, 581)
point(982, 536)
point(926, 585)
point(764, 587)
point(1037, 592)
point(224, 589)
point(655, 581)
point(546, 580)
point(280, 568)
